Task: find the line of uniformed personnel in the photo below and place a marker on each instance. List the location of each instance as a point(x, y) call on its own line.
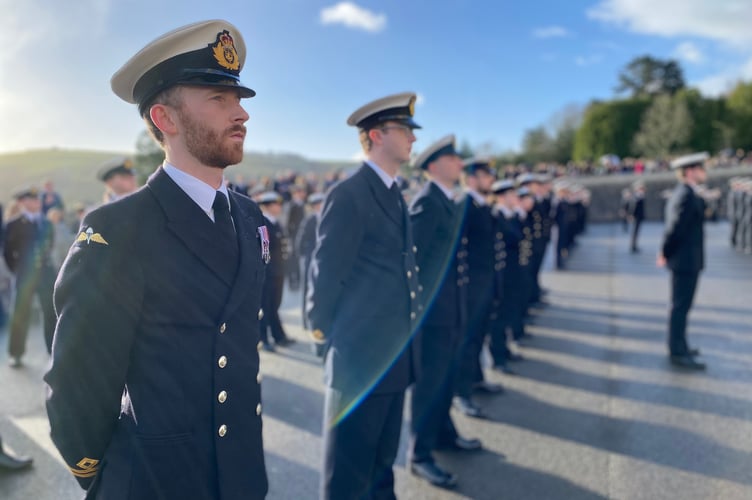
point(739, 213)
point(154, 389)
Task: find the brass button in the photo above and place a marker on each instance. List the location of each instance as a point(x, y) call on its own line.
point(258, 378)
point(258, 409)
point(464, 241)
point(222, 396)
point(259, 346)
point(413, 315)
point(409, 274)
point(222, 430)
point(417, 269)
point(415, 249)
point(222, 361)
point(499, 235)
point(222, 328)
point(412, 295)
point(261, 314)
point(420, 288)
point(460, 269)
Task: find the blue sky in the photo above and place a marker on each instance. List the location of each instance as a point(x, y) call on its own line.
point(485, 70)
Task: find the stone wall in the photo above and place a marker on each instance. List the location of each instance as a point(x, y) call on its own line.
point(606, 191)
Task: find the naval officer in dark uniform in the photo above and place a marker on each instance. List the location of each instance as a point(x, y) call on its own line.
point(274, 284)
point(305, 243)
point(683, 253)
point(118, 177)
point(29, 239)
point(363, 303)
point(482, 241)
point(437, 221)
point(153, 391)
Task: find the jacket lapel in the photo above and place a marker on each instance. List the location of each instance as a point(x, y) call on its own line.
point(437, 193)
point(191, 225)
point(382, 194)
point(250, 253)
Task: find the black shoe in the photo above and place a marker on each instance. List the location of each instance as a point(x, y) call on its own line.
point(11, 463)
point(487, 388)
point(513, 357)
point(466, 406)
point(693, 351)
point(284, 342)
point(504, 368)
point(269, 348)
point(688, 362)
point(15, 362)
point(466, 444)
point(433, 474)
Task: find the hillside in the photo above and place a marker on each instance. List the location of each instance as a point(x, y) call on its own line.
point(74, 171)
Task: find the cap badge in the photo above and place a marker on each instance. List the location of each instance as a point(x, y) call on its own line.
point(128, 164)
point(89, 235)
point(264, 234)
point(224, 51)
point(412, 106)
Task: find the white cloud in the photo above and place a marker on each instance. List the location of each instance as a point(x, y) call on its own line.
point(551, 32)
point(689, 52)
point(583, 61)
point(721, 83)
point(353, 16)
point(726, 21)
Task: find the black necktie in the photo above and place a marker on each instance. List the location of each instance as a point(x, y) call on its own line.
point(222, 218)
point(397, 194)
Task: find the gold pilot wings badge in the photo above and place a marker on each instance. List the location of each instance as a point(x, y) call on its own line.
point(89, 236)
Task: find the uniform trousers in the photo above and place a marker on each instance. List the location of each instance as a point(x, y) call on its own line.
point(431, 424)
point(635, 234)
point(683, 286)
point(41, 283)
point(271, 299)
point(469, 370)
point(360, 447)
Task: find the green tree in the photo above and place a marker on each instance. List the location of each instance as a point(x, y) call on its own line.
point(646, 75)
point(739, 104)
point(149, 155)
point(666, 128)
point(608, 128)
point(466, 151)
point(537, 145)
point(710, 130)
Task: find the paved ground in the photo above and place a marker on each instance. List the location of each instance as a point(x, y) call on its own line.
point(595, 412)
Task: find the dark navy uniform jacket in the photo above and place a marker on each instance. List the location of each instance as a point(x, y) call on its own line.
point(437, 229)
point(153, 388)
point(482, 244)
point(364, 286)
point(683, 237)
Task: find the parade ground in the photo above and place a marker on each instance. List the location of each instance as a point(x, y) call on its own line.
point(595, 410)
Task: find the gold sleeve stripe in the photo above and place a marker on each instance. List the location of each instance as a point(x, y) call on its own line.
point(88, 473)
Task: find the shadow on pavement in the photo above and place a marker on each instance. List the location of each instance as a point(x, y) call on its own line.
point(659, 444)
point(292, 403)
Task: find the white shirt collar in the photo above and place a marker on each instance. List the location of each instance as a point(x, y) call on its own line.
point(271, 218)
point(479, 199)
point(30, 216)
point(508, 212)
point(447, 192)
point(200, 192)
point(386, 178)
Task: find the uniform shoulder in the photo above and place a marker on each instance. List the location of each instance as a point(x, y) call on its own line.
point(249, 206)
